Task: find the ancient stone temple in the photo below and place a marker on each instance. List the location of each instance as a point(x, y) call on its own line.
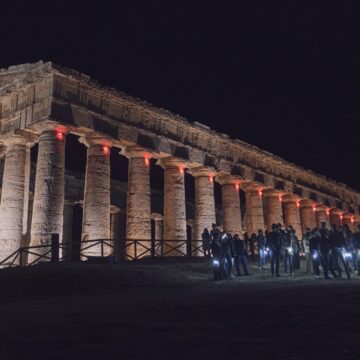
point(43, 105)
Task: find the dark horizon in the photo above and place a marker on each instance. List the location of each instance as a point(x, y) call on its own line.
point(282, 78)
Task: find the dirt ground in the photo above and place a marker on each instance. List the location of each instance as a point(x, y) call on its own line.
point(172, 309)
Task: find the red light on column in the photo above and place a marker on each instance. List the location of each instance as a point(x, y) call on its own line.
point(260, 193)
point(341, 216)
point(314, 207)
point(211, 179)
point(59, 136)
point(237, 186)
point(327, 212)
point(106, 151)
point(298, 204)
point(280, 198)
point(352, 220)
point(147, 161)
point(181, 170)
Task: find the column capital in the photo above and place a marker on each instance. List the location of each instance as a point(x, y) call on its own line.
point(336, 211)
point(135, 151)
point(227, 179)
point(202, 171)
point(171, 162)
point(250, 186)
point(306, 203)
point(93, 139)
point(273, 193)
point(157, 217)
point(19, 137)
point(289, 198)
point(322, 207)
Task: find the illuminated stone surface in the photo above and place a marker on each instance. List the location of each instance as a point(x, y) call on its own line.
point(138, 201)
point(12, 198)
point(174, 205)
point(96, 220)
point(32, 95)
point(292, 217)
point(204, 200)
point(231, 205)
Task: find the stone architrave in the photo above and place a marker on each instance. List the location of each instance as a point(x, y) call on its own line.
point(322, 215)
point(307, 213)
point(335, 217)
point(254, 209)
point(12, 199)
point(291, 206)
point(231, 204)
point(138, 221)
point(204, 204)
point(96, 213)
point(48, 205)
point(174, 207)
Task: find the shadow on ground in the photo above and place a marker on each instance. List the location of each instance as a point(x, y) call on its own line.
point(172, 309)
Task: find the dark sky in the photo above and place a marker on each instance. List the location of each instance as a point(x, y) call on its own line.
point(282, 75)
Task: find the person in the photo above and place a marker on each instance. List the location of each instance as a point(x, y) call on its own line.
point(206, 238)
point(274, 243)
point(324, 249)
point(339, 249)
point(215, 231)
point(247, 241)
point(356, 244)
point(240, 255)
point(305, 246)
point(228, 251)
point(314, 242)
point(288, 252)
point(252, 246)
point(261, 241)
point(218, 258)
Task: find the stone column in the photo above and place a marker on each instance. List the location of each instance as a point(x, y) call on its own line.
point(204, 203)
point(322, 215)
point(273, 203)
point(335, 217)
point(138, 222)
point(12, 199)
point(67, 232)
point(96, 215)
point(292, 214)
point(231, 204)
point(48, 206)
point(158, 232)
point(348, 220)
point(307, 212)
point(254, 209)
point(174, 207)
point(118, 232)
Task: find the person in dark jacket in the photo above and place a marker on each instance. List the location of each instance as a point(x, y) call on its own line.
point(240, 255)
point(314, 251)
point(324, 248)
point(356, 244)
point(206, 239)
point(227, 247)
point(252, 246)
point(339, 249)
point(275, 243)
point(261, 241)
point(217, 258)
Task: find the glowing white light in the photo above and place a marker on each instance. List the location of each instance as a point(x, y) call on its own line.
point(216, 262)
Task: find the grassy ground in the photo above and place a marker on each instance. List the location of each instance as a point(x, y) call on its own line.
point(172, 309)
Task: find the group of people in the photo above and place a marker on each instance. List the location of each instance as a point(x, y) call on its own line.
point(334, 251)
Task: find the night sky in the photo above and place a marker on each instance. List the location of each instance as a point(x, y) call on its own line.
point(282, 75)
